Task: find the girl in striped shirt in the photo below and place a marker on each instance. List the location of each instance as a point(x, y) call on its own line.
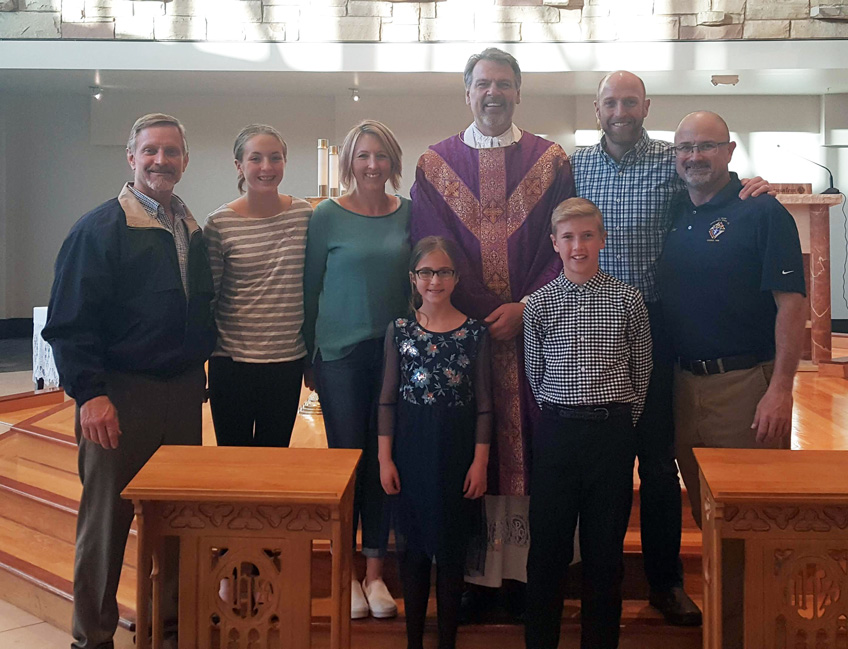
point(256, 249)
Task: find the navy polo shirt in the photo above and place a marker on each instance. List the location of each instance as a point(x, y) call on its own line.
point(720, 264)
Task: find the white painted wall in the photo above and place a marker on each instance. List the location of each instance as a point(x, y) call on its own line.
point(835, 122)
point(63, 155)
point(54, 176)
point(4, 214)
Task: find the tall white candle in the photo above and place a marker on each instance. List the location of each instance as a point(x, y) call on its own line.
point(323, 168)
point(334, 170)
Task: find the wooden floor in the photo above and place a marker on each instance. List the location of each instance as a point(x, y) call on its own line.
point(39, 490)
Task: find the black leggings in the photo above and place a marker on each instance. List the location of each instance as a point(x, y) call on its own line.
point(415, 575)
point(254, 404)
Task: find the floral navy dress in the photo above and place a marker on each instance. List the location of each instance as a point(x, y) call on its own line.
point(436, 401)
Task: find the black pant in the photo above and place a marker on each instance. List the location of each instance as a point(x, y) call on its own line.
point(415, 575)
point(581, 470)
point(254, 404)
point(659, 491)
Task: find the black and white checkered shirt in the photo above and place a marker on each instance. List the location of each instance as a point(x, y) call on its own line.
point(588, 345)
point(635, 197)
point(177, 228)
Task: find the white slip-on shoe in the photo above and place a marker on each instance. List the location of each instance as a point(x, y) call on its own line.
point(380, 601)
point(358, 603)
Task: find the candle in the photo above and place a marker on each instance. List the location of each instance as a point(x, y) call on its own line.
point(323, 168)
point(334, 171)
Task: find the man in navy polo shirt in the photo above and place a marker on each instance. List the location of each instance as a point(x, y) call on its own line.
point(732, 285)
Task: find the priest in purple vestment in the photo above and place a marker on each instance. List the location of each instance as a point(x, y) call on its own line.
point(492, 189)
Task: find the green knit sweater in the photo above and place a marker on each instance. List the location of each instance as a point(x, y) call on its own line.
point(356, 277)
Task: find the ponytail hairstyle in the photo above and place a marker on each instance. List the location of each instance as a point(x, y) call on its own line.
point(244, 137)
point(421, 250)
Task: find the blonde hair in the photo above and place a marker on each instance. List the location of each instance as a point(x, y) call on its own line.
point(387, 140)
point(244, 137)
point(573, 208)
point(155, 119)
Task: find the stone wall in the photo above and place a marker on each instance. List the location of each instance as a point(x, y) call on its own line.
point(403, 21)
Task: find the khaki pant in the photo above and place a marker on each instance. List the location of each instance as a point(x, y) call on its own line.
point(151, 413)
point(716, 411)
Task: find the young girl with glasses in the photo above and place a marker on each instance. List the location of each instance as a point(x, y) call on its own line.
point(435, 421)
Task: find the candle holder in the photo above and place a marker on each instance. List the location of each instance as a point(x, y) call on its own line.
point(334, 170)
point(323, 168)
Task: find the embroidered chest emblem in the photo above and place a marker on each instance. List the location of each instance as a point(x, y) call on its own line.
point(717, 228)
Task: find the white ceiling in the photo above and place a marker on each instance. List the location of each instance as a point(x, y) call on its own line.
point(678, 68)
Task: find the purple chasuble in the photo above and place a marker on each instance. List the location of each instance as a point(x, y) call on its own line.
point(496, 204)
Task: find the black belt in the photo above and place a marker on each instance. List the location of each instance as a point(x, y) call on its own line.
point(589, 413)
point(720, 365)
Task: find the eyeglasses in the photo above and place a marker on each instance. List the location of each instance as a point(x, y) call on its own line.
point(707, 148)
point(427, 273)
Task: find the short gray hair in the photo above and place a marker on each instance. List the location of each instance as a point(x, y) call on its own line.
point(155, 119)
point(497, 56)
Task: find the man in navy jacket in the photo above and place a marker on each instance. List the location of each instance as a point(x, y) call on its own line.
point(130, 324)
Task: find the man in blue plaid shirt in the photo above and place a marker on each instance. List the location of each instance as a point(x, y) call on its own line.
point(633, 180)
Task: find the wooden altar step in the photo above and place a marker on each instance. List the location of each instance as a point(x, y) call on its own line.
point(641, 628)
point(39, 498)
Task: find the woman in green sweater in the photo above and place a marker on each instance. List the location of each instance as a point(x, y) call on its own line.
point(357, 253)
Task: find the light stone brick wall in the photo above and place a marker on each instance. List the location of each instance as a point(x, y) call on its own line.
point(442, 20)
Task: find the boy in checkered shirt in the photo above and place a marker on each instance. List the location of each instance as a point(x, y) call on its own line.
point(587, 352)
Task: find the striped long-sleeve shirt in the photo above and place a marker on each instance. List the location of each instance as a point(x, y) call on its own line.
point(257, 266)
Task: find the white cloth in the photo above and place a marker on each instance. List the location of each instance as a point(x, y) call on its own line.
point(508, 521)
point(474, 138)
point(43, 365)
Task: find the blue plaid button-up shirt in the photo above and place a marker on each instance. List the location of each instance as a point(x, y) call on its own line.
point(635, 196)
point(177, 228)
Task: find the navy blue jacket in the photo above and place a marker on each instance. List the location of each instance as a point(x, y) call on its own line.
point(118, 304)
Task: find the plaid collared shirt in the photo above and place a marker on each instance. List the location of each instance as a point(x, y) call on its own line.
point(635, 196)
point(588, 344)
point(177, 228)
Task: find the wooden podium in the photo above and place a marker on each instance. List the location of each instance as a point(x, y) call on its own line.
point(790, 510)
point(812, 216)
point(245, 519)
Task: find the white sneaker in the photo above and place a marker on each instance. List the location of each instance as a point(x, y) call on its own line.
point(380, 601)
point(358, 603)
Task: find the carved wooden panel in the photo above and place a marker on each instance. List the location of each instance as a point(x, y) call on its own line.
point(243, 600)
point(250, 517)
point(785, 518)
point(805, 592)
